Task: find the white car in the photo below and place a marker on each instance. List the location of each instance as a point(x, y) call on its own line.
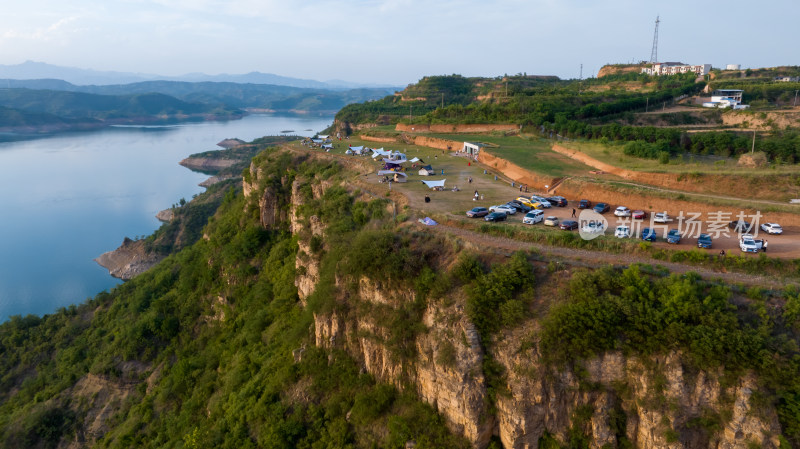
point(622, 232)
point(772, 228)
point(661, 217)
point(748, 245)
point(551, 221)
point(593, 227)
point(503, 208)
point(533, 217)
point(541, 200)
point(622, 211)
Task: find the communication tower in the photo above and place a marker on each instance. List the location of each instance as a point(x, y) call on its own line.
point(654, 52)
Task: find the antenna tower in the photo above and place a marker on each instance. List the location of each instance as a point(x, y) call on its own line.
point(654, 52)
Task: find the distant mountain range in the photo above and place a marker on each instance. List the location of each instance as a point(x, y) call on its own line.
point(31, 70)
point(40, 98)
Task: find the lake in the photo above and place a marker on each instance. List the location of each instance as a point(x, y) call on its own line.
point(68, 198)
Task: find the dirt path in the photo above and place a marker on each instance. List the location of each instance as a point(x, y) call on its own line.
point(598, 258)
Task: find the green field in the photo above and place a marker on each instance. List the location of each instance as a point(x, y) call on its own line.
point(613, 155)
point(528, 152)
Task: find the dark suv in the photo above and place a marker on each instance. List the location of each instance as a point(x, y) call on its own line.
point(559, 201)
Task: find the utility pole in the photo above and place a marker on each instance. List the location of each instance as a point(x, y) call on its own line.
point(647, 104)
point(410, 112)
point(795, 99)
point(442, 100)
point(753, 149)
point(580, 78)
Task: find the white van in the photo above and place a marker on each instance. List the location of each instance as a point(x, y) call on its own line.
point(533, 217)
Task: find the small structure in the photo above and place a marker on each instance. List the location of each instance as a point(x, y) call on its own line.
point(733, 67)
point(327, 146)
point(726, 98)
point(426, 171)
point(416, 159)
point(472, 149)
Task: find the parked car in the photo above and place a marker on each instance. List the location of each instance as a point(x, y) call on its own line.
point(496, 216)
point(638, 215)
point(674, 236)
point(649, 234)
point(477, 212)
point(551, 221)
point(524, 200)
point(542, 200)
point(740, 226)
point(519, 206)
point(704, 241)
point(533, 217)
point(622, 232)
point(559, 201)
point(772, 228)
point(622, 211)
point(584, 204)
point(661, 217)
point(503, 208)
point(593, 227)
point(749, 245)
point(568, 225)
point(600, 208)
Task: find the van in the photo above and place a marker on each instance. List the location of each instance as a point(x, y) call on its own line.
point(533, 217)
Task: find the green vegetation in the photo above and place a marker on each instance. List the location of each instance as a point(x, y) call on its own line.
point(216, 324)
point(626, 310)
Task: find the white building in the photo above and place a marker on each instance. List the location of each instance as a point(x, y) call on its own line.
point(726, 98)
point(733, 67)
point(674, 68)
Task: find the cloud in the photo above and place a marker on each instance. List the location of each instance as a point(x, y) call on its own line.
point(55, 31)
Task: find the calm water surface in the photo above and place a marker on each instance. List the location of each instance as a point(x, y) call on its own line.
point(64, 200)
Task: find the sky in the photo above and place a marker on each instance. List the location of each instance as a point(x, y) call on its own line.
point(393, 41)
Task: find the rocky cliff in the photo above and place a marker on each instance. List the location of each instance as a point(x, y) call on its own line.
point(611, 400)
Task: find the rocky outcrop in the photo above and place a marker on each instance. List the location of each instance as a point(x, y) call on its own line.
point(129, 260)
point(208, 164)
point(447, 370)
point(166, 215)
point(652, 403)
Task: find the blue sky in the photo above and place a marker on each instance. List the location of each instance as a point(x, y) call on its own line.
point(393, 41)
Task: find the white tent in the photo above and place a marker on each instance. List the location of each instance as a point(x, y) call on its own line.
point(323, 136)
point(379, 152)
point(328, 146)
point(390, 172)
point(416, 159)
point(395, 161)
point(432, 184)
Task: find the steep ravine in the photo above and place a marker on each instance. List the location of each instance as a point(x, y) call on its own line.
point(613, 400)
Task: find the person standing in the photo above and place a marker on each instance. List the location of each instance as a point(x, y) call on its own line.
point(573, 212)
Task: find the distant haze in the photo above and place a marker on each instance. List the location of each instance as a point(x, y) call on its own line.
point(31, 70)
point(391, 42)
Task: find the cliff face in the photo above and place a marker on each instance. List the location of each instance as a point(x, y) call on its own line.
point(652, 403)
point(612, 400)
point(446, 371)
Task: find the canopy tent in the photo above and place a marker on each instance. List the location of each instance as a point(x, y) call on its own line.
point(433, 184)
point(395, 161)
point(317, 141)
point(391, 172)
point(416, 159)
point(426, 171)
point(328, 146)
point(323, 136)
